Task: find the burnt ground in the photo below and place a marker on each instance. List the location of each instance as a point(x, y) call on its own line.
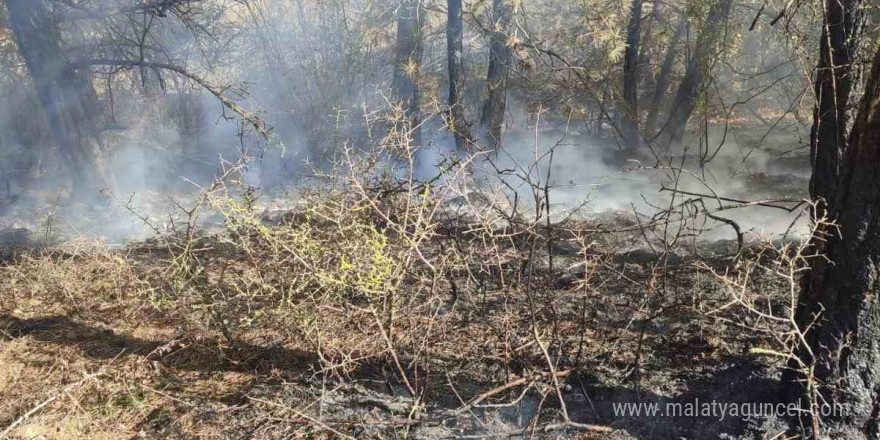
point(93, 345)
point(155, 377)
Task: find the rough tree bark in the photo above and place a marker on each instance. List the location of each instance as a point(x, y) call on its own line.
point(454, 50)
point(646, 41)
point(841, 285)
point(662, 84)
point(630, 113)
point(705, 52)
point(496, 80)
point(408, 63)
point(845, 292)
point(65, 91)
point(833, 86)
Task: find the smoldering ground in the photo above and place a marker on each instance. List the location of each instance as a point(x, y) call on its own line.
point(352, 270)
point(166, 135)
point(587, 177)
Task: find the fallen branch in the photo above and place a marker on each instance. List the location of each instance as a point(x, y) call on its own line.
point(300, 414)
point(502, 388)
point(769, 203)
point(44, 403)
point(27, 415)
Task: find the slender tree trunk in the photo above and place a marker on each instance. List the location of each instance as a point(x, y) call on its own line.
point(845, 292)
point(189, 112)
point(454, 51)
point(301, 18)
point(646, 41)
point(496, 80)
point(630, 112)
point(65, 91)
point(662, 85)
point(408, 63)
point(697, 68)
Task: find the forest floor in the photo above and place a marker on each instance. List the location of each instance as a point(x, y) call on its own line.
point(94, 344)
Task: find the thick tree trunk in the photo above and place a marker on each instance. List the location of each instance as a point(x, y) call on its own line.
point(842, 283)
point(698, 67)
point(408, 63)
point(630, 113)
point(454, 51)
point(833, 86)
point(65, 91)
point(662, 84)
point(845, 292)
point(496, 80)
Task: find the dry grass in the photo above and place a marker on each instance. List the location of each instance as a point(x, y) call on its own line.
point(381, 306)
point(97, 331)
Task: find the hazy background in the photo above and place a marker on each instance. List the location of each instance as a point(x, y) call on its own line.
point(319, 74)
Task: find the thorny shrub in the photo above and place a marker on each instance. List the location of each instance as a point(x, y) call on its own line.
point(359, 243)
point(363, 264)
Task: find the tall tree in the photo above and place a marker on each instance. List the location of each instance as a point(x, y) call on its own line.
point(499, 69)
point(408, 63)
point(841, 285)
point(833, 86)
point(65, 91)
point(698, 66)
point(630, 114)
point(662, 83)
point(645, 41)
point(454, 52)
point(840, 303)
